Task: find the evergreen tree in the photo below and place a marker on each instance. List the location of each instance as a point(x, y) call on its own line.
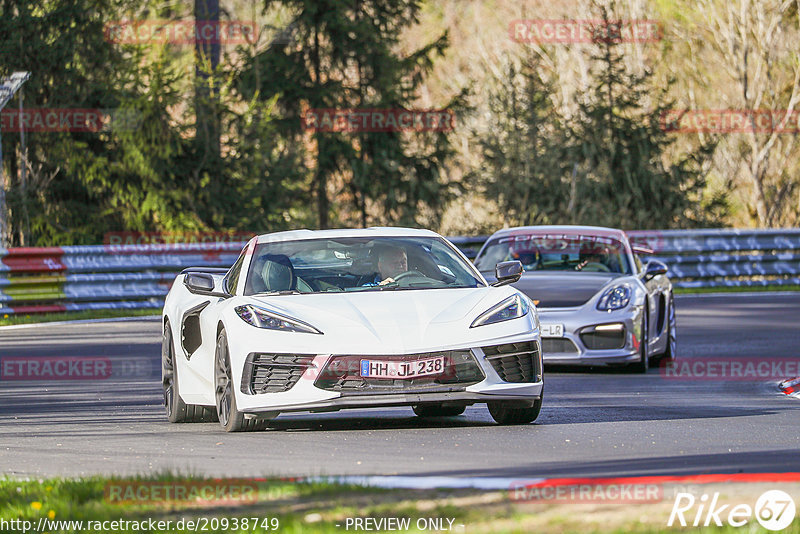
point(343, 55)
point(82, 184)
point(621, 150)
point(522, 147)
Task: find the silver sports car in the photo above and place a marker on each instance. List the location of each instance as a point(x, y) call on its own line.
point(599, 303)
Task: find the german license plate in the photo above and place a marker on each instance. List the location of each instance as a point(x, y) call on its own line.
point(397, 369)
point(552, 330)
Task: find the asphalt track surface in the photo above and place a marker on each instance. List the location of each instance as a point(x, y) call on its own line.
point(593, 423)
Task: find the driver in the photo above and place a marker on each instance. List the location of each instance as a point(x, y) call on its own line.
point(528, 258)
point(592, 256)
point(391, 262)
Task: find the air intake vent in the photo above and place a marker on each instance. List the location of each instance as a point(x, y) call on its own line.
point(515, 362)
point(556, 345)
point(273, 373)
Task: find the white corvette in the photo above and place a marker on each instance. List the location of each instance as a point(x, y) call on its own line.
point(326, 320)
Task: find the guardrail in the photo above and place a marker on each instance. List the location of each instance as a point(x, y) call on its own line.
point(73, 278)
point(55, 279)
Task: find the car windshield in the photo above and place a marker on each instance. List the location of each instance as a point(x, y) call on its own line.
point(357, 264)
point(556, 252)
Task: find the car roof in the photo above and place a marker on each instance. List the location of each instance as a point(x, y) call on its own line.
point(599, 231)
point(375, 231)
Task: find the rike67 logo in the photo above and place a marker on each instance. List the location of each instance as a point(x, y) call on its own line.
point(774, 510)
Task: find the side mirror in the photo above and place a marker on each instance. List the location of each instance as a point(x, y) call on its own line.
point(653, 269)
point(507, 272)
point(201, 284)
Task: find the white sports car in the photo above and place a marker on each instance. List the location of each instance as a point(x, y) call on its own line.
point(326, 320)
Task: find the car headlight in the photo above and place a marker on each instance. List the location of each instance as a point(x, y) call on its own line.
point(615, 298)
point(261, 318)
point(513, 307)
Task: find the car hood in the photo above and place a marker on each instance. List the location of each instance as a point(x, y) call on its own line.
point(563, 290)
point(397, 318)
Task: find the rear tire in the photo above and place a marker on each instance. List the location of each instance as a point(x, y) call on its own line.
point(644, 360)
point(437, 410)
point(231, 419)
point(505, 412)
point(177, 410)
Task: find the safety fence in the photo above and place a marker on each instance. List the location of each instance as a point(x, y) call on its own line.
point(73, 278)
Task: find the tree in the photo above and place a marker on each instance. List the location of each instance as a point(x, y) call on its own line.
point(620, 150)
point(343, 55)
point(755, 44)
point(132, 175)
point(522, 147)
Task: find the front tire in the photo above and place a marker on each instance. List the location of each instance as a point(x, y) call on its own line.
point(177, 410)
point(506, 412)
point(231, 419)
point(437, 410)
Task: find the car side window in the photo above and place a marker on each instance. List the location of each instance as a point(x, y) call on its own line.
point(232, 279)
point(638, 261)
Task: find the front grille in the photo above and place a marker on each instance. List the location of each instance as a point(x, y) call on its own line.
point(515, 362)
point(604, 340)
point(558, 345)
point(342, 373)
point(273, 373)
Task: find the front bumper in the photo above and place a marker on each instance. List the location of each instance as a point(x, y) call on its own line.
point(312, 390)
point(525, 396)
point(573, 349)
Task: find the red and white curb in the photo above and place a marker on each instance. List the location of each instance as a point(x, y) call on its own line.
point(791, 387)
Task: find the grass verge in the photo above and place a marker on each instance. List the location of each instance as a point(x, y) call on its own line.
point(282, 505)
point(6, 320)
